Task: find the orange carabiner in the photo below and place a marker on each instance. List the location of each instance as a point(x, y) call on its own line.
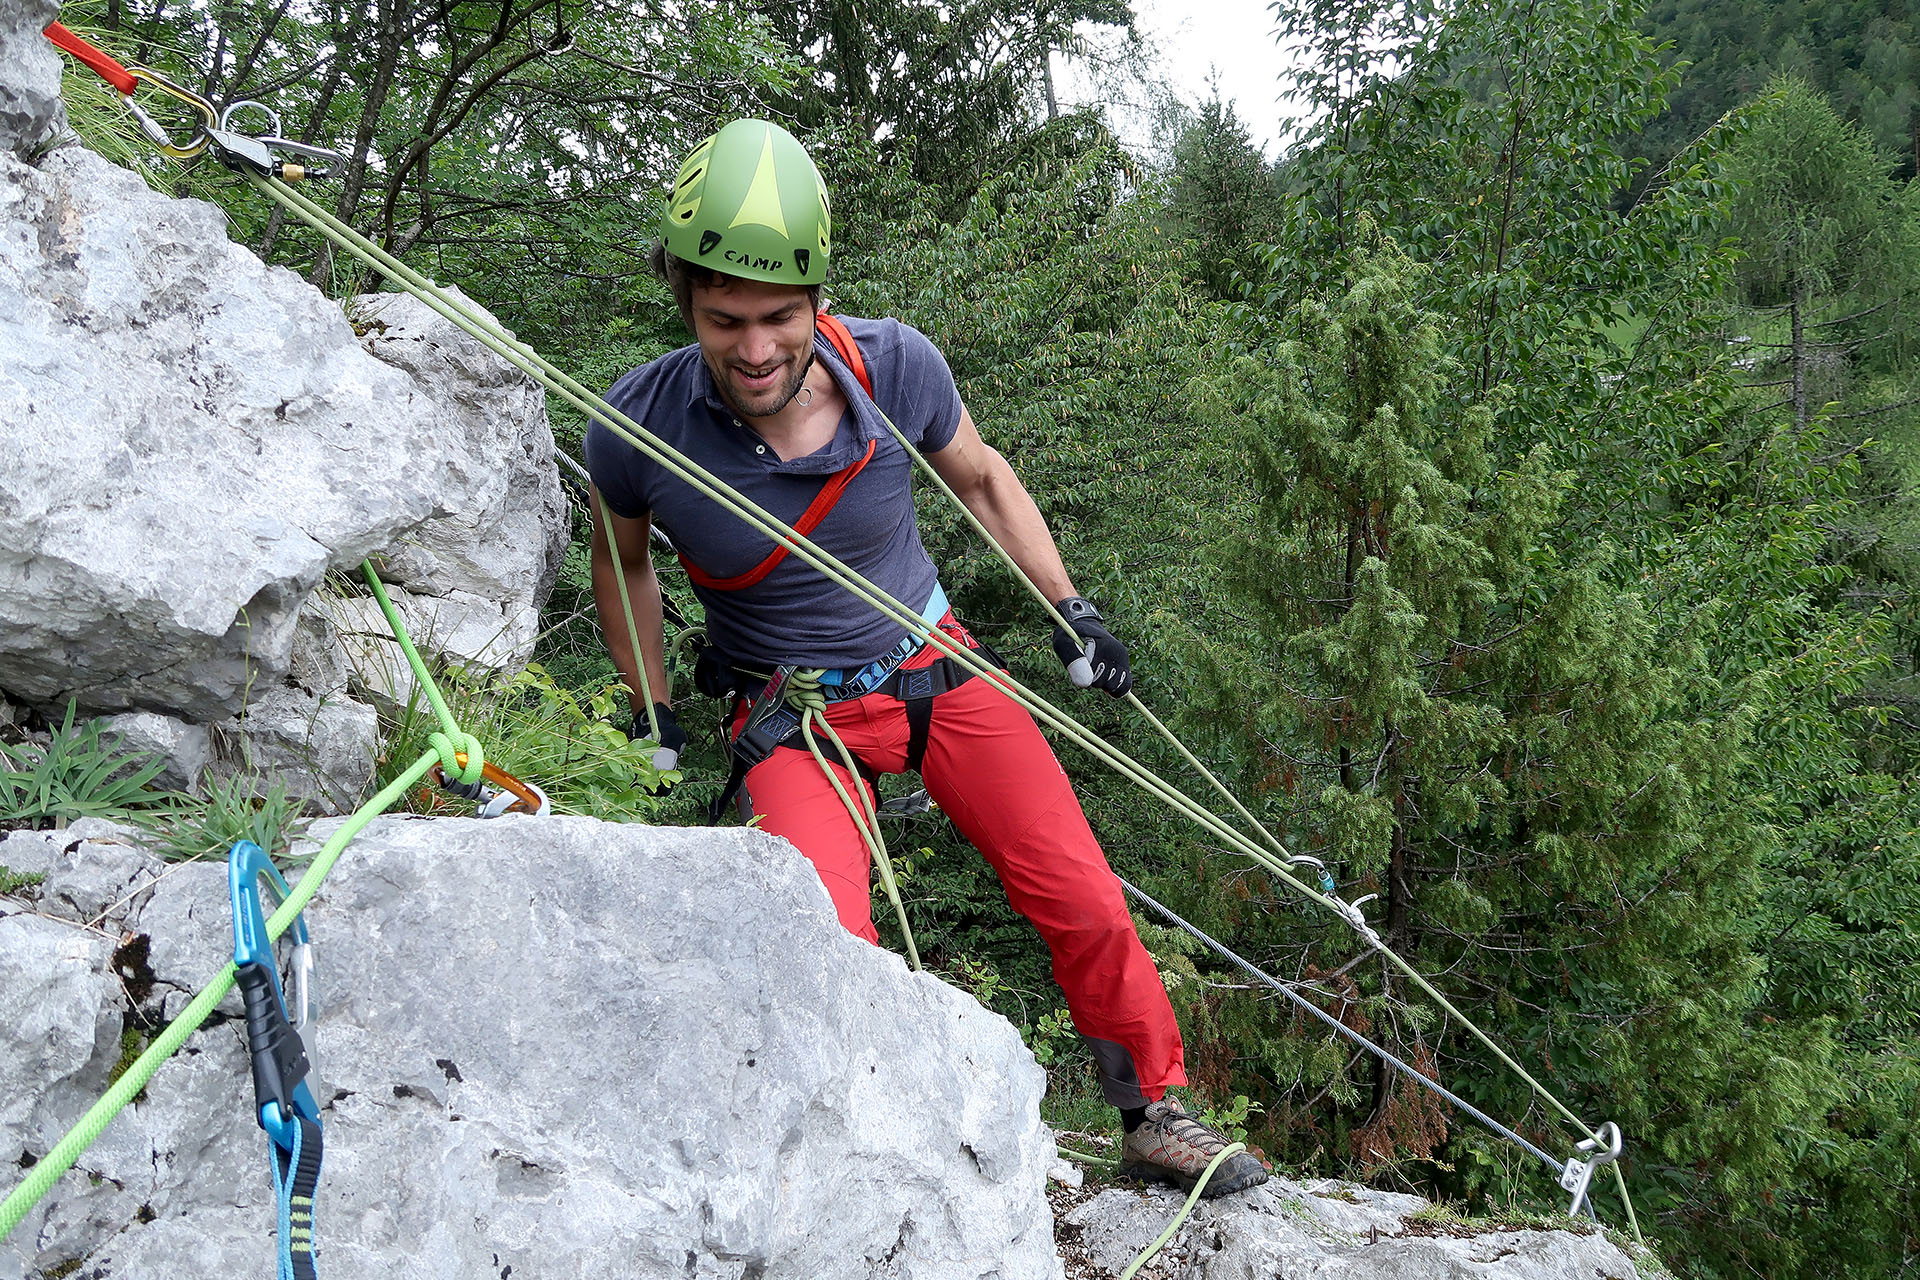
point(495, 785)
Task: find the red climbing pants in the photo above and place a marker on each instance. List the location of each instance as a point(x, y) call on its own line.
point(990, 770)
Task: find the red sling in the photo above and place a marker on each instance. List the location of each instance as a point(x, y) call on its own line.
point(842, 340)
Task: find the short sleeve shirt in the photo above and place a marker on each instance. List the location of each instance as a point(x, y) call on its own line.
point(793, 615)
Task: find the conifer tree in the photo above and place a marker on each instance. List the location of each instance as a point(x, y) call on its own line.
point(1492, 735)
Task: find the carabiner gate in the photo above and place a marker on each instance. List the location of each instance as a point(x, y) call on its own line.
point(498, 792)
point(282, 1049)
point(158, 136)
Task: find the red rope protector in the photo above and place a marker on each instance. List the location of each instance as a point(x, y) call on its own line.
point(104, 65)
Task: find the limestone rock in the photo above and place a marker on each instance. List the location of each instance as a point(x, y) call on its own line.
point(1329, 1231)
point(320, 748)
point(502, 541)
point(103, 873)
point(570, 1048)
point(29, 74)
point(186, 748)
point(196, 439)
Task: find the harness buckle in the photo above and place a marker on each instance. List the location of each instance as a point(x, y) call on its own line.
point(1579, 1173)
point(770, 721)
point(910, 686)
point(282, 1048)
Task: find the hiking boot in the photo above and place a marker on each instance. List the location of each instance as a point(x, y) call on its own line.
point(1173, 1147)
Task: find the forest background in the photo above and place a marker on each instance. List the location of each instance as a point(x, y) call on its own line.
point(1510, 490)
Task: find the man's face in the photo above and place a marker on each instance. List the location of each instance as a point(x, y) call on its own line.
point(757, 339)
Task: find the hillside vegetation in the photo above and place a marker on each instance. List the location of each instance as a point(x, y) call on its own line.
point(1510, 492)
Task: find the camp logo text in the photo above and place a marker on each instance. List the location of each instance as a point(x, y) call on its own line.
point(748, 260)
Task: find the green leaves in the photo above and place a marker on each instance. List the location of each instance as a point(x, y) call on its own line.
point(82, 772)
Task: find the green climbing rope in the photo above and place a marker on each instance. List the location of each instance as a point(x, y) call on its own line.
point(1179, 1219)
point(456, 752)
point(626, 607)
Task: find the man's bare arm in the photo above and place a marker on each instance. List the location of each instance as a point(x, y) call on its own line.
point(986, 482)
point(643, 589)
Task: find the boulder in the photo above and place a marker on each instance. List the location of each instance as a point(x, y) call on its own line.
point(197, 440)
point(1326, 1230)
point(552, 1047)
point(29, 75)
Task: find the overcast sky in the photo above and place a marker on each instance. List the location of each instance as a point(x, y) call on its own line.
point(1190, 40)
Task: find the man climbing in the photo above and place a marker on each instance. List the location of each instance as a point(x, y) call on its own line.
point(766, 402)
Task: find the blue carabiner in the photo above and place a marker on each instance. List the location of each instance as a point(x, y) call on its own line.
point(282, 1048)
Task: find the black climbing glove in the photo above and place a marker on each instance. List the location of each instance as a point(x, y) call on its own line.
point(1090, 654)
point(666, 755)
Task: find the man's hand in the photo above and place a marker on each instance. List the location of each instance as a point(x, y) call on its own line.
point(1090, 653)
point(666, 755)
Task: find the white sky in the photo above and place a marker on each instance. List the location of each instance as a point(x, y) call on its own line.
point(1191, 39)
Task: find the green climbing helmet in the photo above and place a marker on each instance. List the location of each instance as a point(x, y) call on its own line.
point(748, 202)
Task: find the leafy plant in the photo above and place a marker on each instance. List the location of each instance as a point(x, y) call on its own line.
point(81, 773)
point(12, 881)
point(560, 740)
point(229, 811)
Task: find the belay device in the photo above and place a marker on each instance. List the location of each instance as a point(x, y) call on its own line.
point(282, 1052)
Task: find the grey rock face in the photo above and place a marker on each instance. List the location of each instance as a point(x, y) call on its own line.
point(321, 749)
point(501, 541)
point(195, 439)
point(29, 74)
point(568, 1048)
point(186, 748)
point(103, 873)
point(1328, 1231)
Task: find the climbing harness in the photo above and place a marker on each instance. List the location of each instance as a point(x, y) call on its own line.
point(459, 753)
point(282, 1051)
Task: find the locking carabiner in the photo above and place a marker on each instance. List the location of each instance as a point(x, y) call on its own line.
point(498, 792)
point(254, 153)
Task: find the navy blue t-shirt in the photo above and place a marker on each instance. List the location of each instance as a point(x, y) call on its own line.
point(793, 614)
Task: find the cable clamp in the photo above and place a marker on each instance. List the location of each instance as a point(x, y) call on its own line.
point(1606, 1145)
point(1350, 912)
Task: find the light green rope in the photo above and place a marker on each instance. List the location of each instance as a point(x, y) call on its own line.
point(703, 482)
point(1147, 1255)
point(804, 694)
point(1059, 619)
point(90, 1126)
point(451, 741)
point(626, 607)
point(1179, 1219)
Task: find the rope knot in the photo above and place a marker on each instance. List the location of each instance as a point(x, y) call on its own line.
point(804, 693)
point(460, 758)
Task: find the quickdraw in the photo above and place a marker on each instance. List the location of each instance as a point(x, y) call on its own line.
point(211, 129)
point(282, 1049)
